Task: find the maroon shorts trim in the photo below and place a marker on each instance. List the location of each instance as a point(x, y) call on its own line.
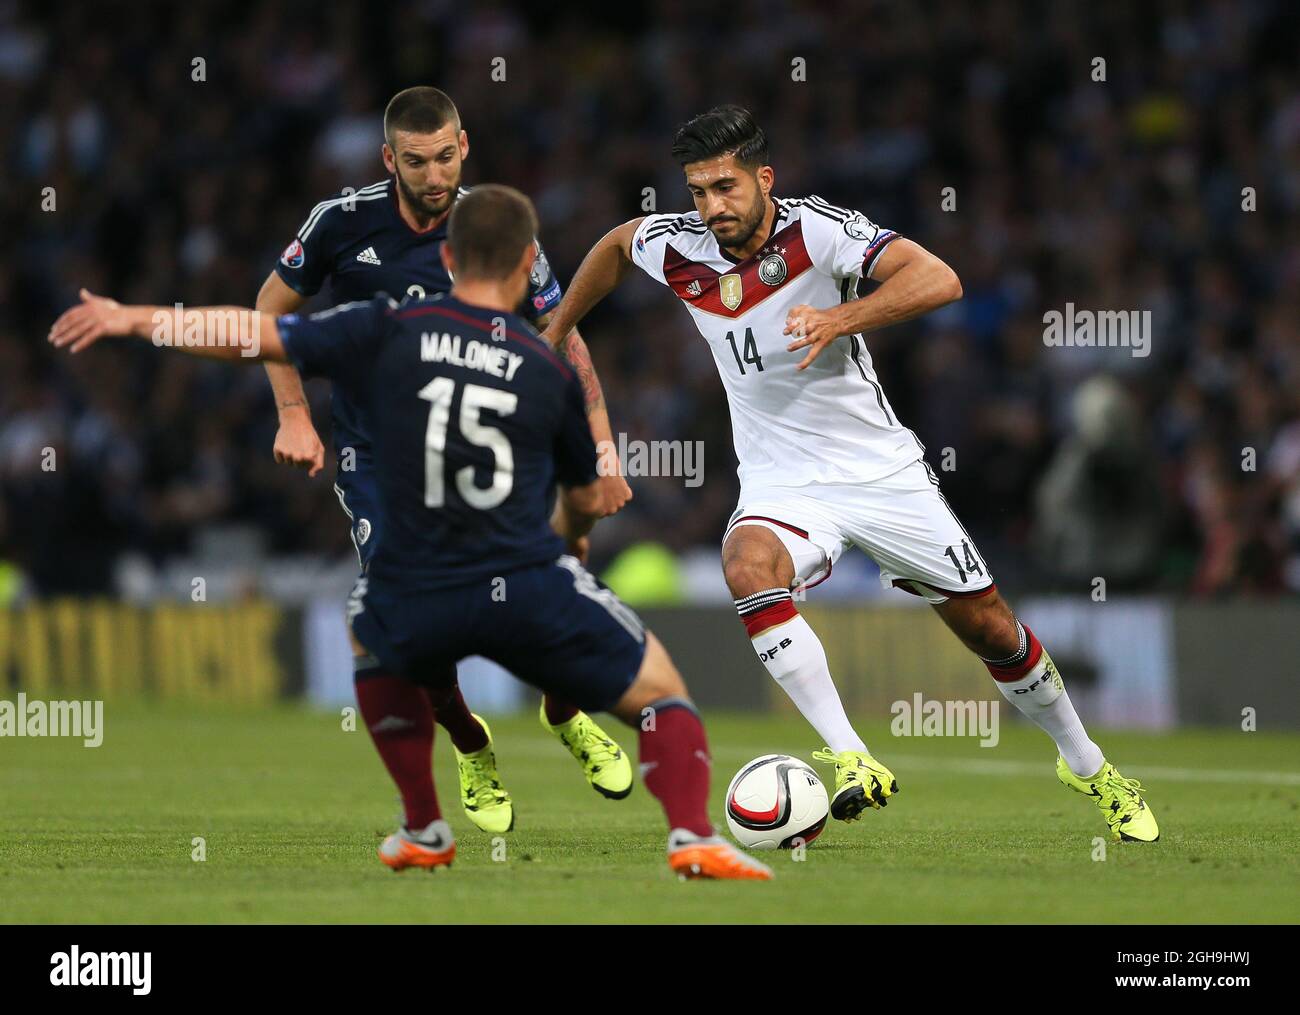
point(789, 528)
point(830, 565)
point(775, 521)
point(950, 593)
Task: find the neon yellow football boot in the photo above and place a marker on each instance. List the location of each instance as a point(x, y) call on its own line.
point(481, 793)
point(605, 764)
point(860, 782)
point(1118, 798)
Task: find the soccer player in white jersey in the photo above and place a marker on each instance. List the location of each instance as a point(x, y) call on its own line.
point(825, 463)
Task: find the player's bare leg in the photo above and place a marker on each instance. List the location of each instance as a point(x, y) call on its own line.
point(760, 572)
point(675, 769)
point(986, 626)
point(1027, 677)
point(399, 719)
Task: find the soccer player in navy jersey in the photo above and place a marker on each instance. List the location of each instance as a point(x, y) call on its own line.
point(473, 422)
point(386, 238)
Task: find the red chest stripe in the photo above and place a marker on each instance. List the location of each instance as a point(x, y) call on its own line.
point(682, 273)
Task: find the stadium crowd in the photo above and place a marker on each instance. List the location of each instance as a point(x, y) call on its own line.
point(178, 159)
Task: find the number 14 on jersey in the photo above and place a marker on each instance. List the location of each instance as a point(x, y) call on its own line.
point(751, 355)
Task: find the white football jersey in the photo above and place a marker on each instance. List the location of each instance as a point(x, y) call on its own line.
point(830, 423)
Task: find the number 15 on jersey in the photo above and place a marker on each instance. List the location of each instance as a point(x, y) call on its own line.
point(475, 398)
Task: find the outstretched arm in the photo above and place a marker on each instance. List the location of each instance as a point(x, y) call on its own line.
point(601, 270)
point(230, 333)
point(913, 282)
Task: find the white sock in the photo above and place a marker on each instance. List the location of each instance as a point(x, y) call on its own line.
point(1041, 696)
point(794, 656)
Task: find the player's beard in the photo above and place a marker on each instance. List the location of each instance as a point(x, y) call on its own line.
point(420, 202)
point(745, 227)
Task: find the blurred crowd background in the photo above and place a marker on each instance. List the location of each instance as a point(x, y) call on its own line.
point(1175, 472)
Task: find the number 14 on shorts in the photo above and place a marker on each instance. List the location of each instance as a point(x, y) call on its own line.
point(972, 566)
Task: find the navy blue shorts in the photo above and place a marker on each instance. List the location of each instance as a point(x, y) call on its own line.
point(358, 493)
point(553, 626)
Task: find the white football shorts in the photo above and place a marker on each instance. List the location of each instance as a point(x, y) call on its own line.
point(902, 522)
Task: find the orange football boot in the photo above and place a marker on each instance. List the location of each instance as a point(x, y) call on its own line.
point(431, 848)
point(693, 856)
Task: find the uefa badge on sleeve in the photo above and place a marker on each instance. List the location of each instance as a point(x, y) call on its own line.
point(293, 255)
point(540, 273)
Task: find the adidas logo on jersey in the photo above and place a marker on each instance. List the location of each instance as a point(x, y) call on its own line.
point(694, 289)
point(368, 256)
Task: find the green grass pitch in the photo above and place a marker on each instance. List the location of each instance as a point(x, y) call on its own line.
point(291, 809)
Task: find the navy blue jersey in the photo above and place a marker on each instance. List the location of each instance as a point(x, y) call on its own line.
point(473, 420)
point(362, 245)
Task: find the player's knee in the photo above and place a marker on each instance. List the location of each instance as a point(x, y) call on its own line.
point(661, 679)
point(985, 625)
point(991, 630)
point(751, 562)
point(658, 678)
point(745, 577)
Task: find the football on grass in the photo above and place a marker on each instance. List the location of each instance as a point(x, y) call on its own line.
point(776, 802)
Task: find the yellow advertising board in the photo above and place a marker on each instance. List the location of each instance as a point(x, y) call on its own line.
point(98, 648)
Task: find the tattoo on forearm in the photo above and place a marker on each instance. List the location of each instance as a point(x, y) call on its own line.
point(575, 352)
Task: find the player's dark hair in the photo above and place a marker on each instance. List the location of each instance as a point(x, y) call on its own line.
point(723, 130)
point(419, 110)
point(488, 230)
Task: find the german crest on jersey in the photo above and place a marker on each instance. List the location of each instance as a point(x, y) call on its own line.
point(772, 270)
point(730, 289)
